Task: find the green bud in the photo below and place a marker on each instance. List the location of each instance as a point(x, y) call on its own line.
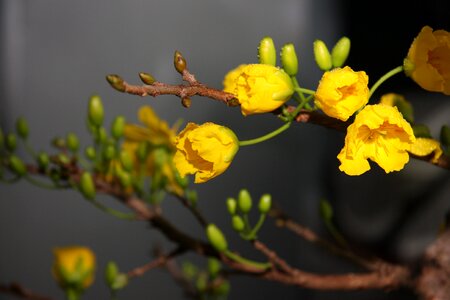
point(265, 203)
point(22, 128)
point(87, 186)
point(43, 160)
point(59, 143)
point(160, 157)
point(117, 127)
point(147, 78)
point(216, 238)
point(11, 142)
point(95, 111)
point(120, 282)
point(72, 142)
point(17, 166)
point(63, 159)
point(340, 52)
point(116, 82)
point(186, 102)
point(214, 266)
point(179, 62)
point(111, 272)
point(266, 52)
point(445, 135)
point(125, 179)
point(421, 130)
point(192, 197)
point(223, 289)
point(201, 283)
point(238, 223)
point(244, 201)
point(90, 153)
point(189, 270)
point(183, 182)
point(142, 151)
point(126, 160)
point(322, 55)
point(231, 205)
point(109, 152)
point(289, 59)
point(101, 135)
point(326, 210)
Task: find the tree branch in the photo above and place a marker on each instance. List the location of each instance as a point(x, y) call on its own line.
point(21, 292)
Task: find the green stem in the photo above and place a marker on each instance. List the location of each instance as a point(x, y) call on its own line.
point(297, 86)
point(72, 294)
point(384, 78)
point(245, 261)
point(252, 234)
point(303, 90)
point(266, 137)
point(113, 212)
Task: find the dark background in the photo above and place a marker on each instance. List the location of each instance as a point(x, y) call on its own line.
point(55, 54)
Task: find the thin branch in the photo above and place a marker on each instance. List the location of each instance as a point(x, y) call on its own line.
point(160, 261)
point(21, 292)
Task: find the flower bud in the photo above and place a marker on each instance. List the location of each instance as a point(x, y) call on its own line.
point(289, 59)
point(109, 152)
point(72, 142)
point(74, 267)
point(125, 178)
point(22, 128)
point(322, 55)
point(244, 201)
point(117, 127)
point(445, 135)
point(114, 279)
point(142, 151)
point(116, 82)
point(265, 203)
point(101, 135)
point(340, 52)
point(231, 205)
point(126, 160)
point(63, 159)
point(179, 62)
point(147, 78)
point(186, 102)
point(11, 142)
point(17, 166)
point(266, 52)
point(192, 197)
point(43, 160)
point(326, 210)
point(237, 223)
point(214, 267)
point(421, 130)
point(216, 238)
point(59, 143)
point(95, 111)
point(90, 153)
point(87, 186)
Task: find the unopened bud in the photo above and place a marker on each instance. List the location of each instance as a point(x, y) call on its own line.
point(265, 203)
point(126, 160)
point(340, 52)
point(125, 179)
point(90, 152)
point(244, 201)
point(109, 152)
point(11, 142)
point(266, 52)
point(142, 151)
point(59, 143)
point(231, 206)
point(214, 267)
point(289, 59)
point(114, 279)
point(147, 78)
point(116, 82)
point(237, 223)
point(22, 128)
point(445, 135)
point(95, 111)
point(117, 127)
point(326, 210)
point(43, 160)
point(216, 238)
point(87, 186)
point(72, 142)
point(186, 102)
point(322, 55)
point(17, 166)
point(179, 62)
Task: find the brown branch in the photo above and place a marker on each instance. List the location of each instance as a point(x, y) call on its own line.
point(21, 292)
point(160, 261)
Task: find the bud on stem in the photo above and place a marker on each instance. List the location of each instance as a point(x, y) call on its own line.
point(116, 82)
point(179, 62)
point(322, 55)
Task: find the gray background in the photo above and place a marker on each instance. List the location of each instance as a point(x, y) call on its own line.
point(55, 54)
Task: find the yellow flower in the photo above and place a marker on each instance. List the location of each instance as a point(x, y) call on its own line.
point(74, 267)
point(379, 133)
point(426, 146)
point(428, 60)
point(205, 150)
point(259, 88)
point(341, 92)
point(400, 102)
point(158, 134)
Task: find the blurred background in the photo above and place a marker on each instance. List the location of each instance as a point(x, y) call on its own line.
point(54, 56)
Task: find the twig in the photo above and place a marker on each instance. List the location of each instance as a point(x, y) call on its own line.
point(160, 261)
point(21, 292)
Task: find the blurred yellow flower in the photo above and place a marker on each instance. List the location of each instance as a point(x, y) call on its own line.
point(74, 267)
point(379, 133)
point(426, 146)
point(341, 92)
point(428, 60)
point(259, 88)
point(157, 133)
point(205, 150)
